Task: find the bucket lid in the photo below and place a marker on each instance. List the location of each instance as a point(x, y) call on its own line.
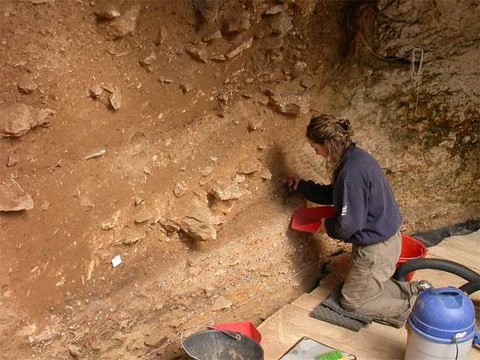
point(443, 315)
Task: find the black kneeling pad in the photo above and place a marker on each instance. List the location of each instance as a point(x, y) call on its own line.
point(332, 312)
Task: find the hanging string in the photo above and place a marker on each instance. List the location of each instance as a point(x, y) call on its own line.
point(380, 56)
point(416, 72)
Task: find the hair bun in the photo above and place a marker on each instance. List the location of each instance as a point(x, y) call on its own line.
point(344, 124)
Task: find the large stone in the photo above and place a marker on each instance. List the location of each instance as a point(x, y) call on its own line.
point(149, 60)
point(194, 218)
point(131, 236)
point(281, 23)
point(17, 119)
point(197, 54)
point(271, 42)
point(42, 336)
point(198, 227)
point(26, 84)
point(95, 91)
point(161, 36)
point(221, 303)
point(290, 104)
point(13, 197)
point(249, 166)
point(275, 9)
point(115, 99)
point(224, 190)
point(106, 11)
point(240, 22)
point(208, 9)
point(212, 35)
point(239, 48)
point(125, 24)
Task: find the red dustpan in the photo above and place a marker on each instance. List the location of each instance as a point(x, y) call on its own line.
point(308, 219)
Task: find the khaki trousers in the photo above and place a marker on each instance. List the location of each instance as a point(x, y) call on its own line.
point(368, 287)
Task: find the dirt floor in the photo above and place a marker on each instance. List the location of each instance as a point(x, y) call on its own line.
point(148, 145)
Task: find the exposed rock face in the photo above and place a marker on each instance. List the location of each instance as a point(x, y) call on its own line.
point(431, 87)
point(440, 40)
point(189, 242)
point(434, 26)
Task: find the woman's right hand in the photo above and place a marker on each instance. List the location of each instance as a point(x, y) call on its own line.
point(292, 182)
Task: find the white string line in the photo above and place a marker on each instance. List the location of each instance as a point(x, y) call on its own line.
point(416, 74)
point(205, 324)
point(376, 55)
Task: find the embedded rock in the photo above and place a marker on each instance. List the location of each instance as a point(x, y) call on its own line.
point(17, 119)
point(13, 197)
point(124, 25)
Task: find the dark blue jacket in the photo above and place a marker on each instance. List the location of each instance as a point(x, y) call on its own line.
point(365, 209)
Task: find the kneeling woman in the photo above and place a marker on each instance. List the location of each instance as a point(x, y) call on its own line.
point(366, 215)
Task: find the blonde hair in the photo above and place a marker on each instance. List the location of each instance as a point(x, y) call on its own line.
point(336, 133)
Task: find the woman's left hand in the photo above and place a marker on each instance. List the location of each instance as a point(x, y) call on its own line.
point(292, 182)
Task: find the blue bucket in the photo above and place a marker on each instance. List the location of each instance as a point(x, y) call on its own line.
point(441, 325)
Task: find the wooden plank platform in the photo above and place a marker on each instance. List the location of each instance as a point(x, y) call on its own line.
point(375, 341)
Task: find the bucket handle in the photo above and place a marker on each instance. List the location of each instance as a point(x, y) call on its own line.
point(476, 339)
point(234, 335)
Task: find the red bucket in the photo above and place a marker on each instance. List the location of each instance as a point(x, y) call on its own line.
point(411, 249)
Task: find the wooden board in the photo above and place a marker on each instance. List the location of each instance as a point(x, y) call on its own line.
point(291, 323)
point(375, 341)
point(462, 249)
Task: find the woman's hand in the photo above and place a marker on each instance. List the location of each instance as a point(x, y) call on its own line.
point(292, 182)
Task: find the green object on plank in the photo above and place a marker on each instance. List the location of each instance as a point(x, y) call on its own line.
point(331, 355)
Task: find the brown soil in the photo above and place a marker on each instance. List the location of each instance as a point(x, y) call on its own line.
point(182, 123)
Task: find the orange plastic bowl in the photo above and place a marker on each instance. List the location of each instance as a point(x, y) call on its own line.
point(411, 249)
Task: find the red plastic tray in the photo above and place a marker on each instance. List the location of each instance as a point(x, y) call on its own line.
point(308, 219)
